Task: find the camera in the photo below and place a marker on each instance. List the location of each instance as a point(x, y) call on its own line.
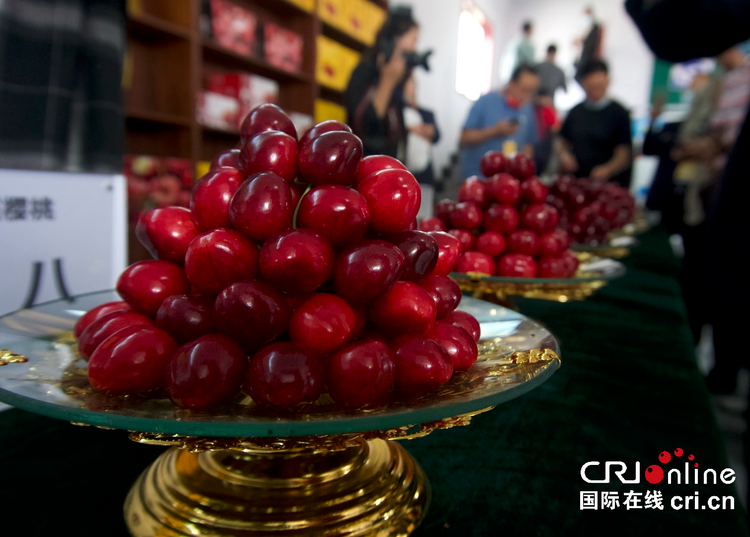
point(387, 44)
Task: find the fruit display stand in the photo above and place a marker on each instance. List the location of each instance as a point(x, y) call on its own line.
point(246, 471)
point(617, 246)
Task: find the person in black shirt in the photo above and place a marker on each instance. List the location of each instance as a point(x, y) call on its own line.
point(374, 96)
point(595, 139)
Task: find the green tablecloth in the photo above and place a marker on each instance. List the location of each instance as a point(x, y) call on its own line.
point(628, 389)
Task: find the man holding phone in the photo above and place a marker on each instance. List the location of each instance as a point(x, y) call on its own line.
point(501, 121)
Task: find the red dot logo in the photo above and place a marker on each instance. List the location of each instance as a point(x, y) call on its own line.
point(696, 465)
point(654, 474)
point(678, 452)
point(664, 457)
point(691, 457)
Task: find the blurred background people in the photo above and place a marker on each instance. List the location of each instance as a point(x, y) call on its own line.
point(520, 50)
point(595, 139)
point(501, 121)
point(590, 42)
point(551, 77)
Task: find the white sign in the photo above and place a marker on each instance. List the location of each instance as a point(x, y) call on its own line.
point(61, 234)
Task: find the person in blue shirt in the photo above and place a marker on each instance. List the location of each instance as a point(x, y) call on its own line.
point(500, 117)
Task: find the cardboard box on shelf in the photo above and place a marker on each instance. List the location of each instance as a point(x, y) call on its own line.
point(218, 111)
point(251, 90)
point(335, 63)
point(333, 12)
point(234, 27)
point(372, 18)
point(325, 110)
point(282, 47)
point(354, 13)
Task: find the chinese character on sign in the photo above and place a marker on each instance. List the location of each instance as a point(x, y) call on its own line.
point(41, 209)
point(633, 500)
point(654, 500)
point(589, 500)
point(610, 500)
point(15, 209)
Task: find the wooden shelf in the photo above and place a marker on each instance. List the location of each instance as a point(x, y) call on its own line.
point(149, 27)
point(330, 94)
point(220, 56)
point(343, 38)
point(158, 117)
point(281, 7)
point(235, 133)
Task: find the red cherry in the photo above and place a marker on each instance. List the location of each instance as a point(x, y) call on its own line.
point(420, 251)
point(554, 242)
point(405, 308)
point(270, 151)
point(338, 213)
point(458, 343)
point(366, 270)
point(504, 189)
point(219, 258)
point(107, 325)
point(516, 266)
point(422, 364)
point(466, 215)
point(266, 117)
point(443, 209)
point(449, 248)
point(145, 284)
point(465, 237)
point(473, 190)
point(95, 313)
point(285, 376)
point(361, 374)
point(206, 373)
point(432, 224)
point(534, 191)
point(557, 202)
point(262, 207)
point(576, 198)
point(252, 313)
point(521, 166)
point(571, 262)
point(228, 158)
point(297, 261)
point(465, 321)
point(394, 197)
point(330, 125)
point(493, 162)
point(331, 159)
point(166, 232)
point(540, 217)
point(212, 196)
point(298, 190)
point(523, 241)
point(186, 317)
point(445, 292)
point(322, 324)
point(552, 267)
point(475, 262)
point(375, 163)
point(501, 218)
point(491, 243)
point(131, 361)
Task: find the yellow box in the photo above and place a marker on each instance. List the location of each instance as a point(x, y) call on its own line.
point(332, 12)
point(355, 12)
point(373, 17)
point(325, 110)
point(307, 5)
point(202, 167)
point(335, 63)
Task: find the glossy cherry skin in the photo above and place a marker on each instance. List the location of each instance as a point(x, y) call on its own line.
point(466, 321)
point(523, 241)
point(445, 292)
point(298, 190)
point(393, 197)
point(521, 166)
point(534, 191)
point(375, 163)
point(459, 344)
point(491, 243)
point(473, 190)
point(501, 218)
point(296, 262)
point(212, 196)
point(449, 248)
point(217, 259)
point(493, 162)
point(422, 364)
point(361, 374)
point(552, 267)
point(94, 313)
point(186, 317)
point(554, 242)
point(540, 217)
point(443, 209)
point(475, 262)
point(322, 324)
point(270, 151)
point(516, 266)
point(228, 158)
point(331, 159)
point(571, 262)
point(145, 284)
point(131, 361)
point(366, 270)
point(465, 237)
point(420, 251)
point(252, 313)
point(405, 308)
point(262, 207)
point(338, 213)
point(283, 375)
point(206, 373)
point(466, 215)
point(330, 125)
point(107, 325)
point(166, 232)
point(504, 189)
point(432, 224)
point(266, 117)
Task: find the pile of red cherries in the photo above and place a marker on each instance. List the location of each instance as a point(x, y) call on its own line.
point(296, 271)
point(504, 223)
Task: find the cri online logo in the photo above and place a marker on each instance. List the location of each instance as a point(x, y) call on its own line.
point(654, 474)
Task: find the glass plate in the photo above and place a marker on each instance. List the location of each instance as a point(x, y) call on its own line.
point(593, 270)
point(53, 382)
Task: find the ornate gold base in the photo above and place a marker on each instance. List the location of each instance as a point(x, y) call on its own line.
point(374, 489)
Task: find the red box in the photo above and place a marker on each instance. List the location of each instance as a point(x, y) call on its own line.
point(234, 28)
point(282, 47)
point(218, 111)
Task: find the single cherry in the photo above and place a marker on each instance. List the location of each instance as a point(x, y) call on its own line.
point(262, 207)
point(523, 241)
point(420, 251)
point(504, 189)
point(270, 151)
point(186, 317)
point(330, 125)
point(465, 237)
point(445, 292)
point(449, 248)
point(228, 158)
point(405, 308)
point(534, 191)
point(322, 324)
point(361, 374)
point(552, 267)
point(501, 218)
point(219, 258)
point(491, 243)
point(212, 196)
point(338, 213)
point(375, 163)
point(540, 217)
point(145, 284)
point(459, 344)
point(394, 197)
point(107, 325)
point(475, 262)
point(466, 215)
point(443, 210)
point(422, 364)
point(473, 190)
point(493, 162)
point(571, 262)
point(166, 232)
point(516, 266)
point(297, 261)
point(466, 321)
point(554, 242)
point(331, 159)
point(266, 117)
point(94, 313)
point(364, 271)
point(521, 166)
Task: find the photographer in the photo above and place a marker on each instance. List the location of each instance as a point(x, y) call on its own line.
point(374, 97)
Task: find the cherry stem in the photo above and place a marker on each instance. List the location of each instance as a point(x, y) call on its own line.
point(296, 209)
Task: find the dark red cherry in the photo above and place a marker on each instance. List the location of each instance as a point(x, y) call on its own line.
point(466, 215)
point(422, 364)
point(421, 252)
point(465, 237)
point(322, 324)
point(219, 258)
point(523, 241)
point(338, 213)
point(297, 261)
point(145, 284)
point(504, 188)
point(493, 162)
point(361, 374)
point(364, 271)
point(516, 266)
point(331, 159)
point(262, 207)
point(375, 163)
point(475, 262)
point(466, 321)
point(166, 232)
point(394, 198)
point(540, 217)
point(473, 190)
point(501, 218)
point(459, 344)
point(186, 317)
point(266, 117)
point(330, 125)
point(107, 325)
point(445, 292)
point(534, 191)
point(491, 243)
point(552, 267)
point(228, 158)
point(270, 151)
point(94, 313)
point(449, 249)
point(212, 196)
point(405, 308)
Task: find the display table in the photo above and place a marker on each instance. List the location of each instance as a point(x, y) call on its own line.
point(628, 389)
